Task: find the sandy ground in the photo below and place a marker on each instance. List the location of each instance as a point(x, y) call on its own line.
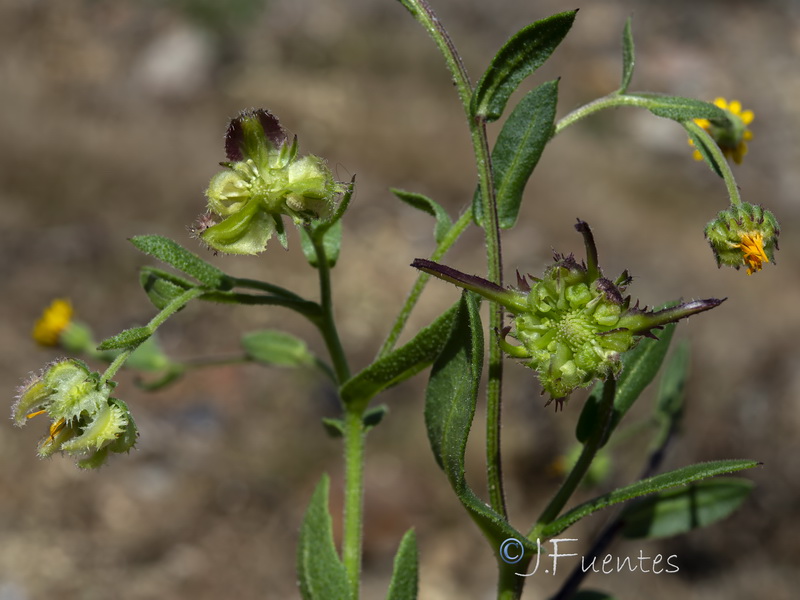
point(112, 117)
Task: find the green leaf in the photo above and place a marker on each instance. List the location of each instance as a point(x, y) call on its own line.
point(517, 150)
point(333, 427)
point(450, 401)
point(173, 254)
point(374, 416)
point(628, 57)
point(521, 55)
point(701, 145)
point(425, 204)
point(403, 585)
point(679, 511)
point(640, 366)
point(148, 356)
point(162, 287)
point(130, 338)
point(644, 487)
point(678, 108)
point(331, 242)
point(276, 348)
point(669, 403)
point(401, 364)
point(321, 575)
point(453, 390)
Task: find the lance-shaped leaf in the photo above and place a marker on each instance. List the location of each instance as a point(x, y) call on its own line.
point(425, 204)
point(187, 262)
point(679, 511)
point(640, 366)
point(404, 577)
point(678, 108)
point(320, 573)
point(277, 348)
point(450, 401)
point(130, 338)
point(647, 486)
point(521, 55)
point(628, 57)
point(517, 151)
point(700, 143)
point(162, 287)
point(402, 363)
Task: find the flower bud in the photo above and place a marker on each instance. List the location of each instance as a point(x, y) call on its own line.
point(744, 235)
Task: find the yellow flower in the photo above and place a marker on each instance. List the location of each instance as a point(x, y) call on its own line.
point(752, 247)
point(53, 322)
point(732, 138)
point(744, 235)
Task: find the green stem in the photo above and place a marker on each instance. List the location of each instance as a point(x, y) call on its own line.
point(353, 428)
point(170, 309)
point(423, 13)
point(719, 158)
point(326, 322)
point(442, 247)
point(590, 449)
point(617, 99)
point(353, 496)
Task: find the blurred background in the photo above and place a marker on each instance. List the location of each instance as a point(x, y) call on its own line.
point(112, 120)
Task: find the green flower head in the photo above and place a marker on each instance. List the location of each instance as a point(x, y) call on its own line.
point(264, 179)
point(572, 324)
point(744, 235)
point(85, 421)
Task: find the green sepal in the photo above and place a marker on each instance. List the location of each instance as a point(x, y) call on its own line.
point(517, 151)
point(276, 348)
point(450, 400)
point(320, 573)
point(628, 57)
point(173, 254)
point(433, 208)
point(162, 287)
point(405, 578)
point(639, 367)
point(679, 511)
point(280, 229)
point(127, 439)
point(520, 56)
point(400, 364)
point(130, 338)
point(672, 479)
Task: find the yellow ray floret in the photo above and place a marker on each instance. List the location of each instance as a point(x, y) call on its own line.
point(752, 247)
point(53, 321)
